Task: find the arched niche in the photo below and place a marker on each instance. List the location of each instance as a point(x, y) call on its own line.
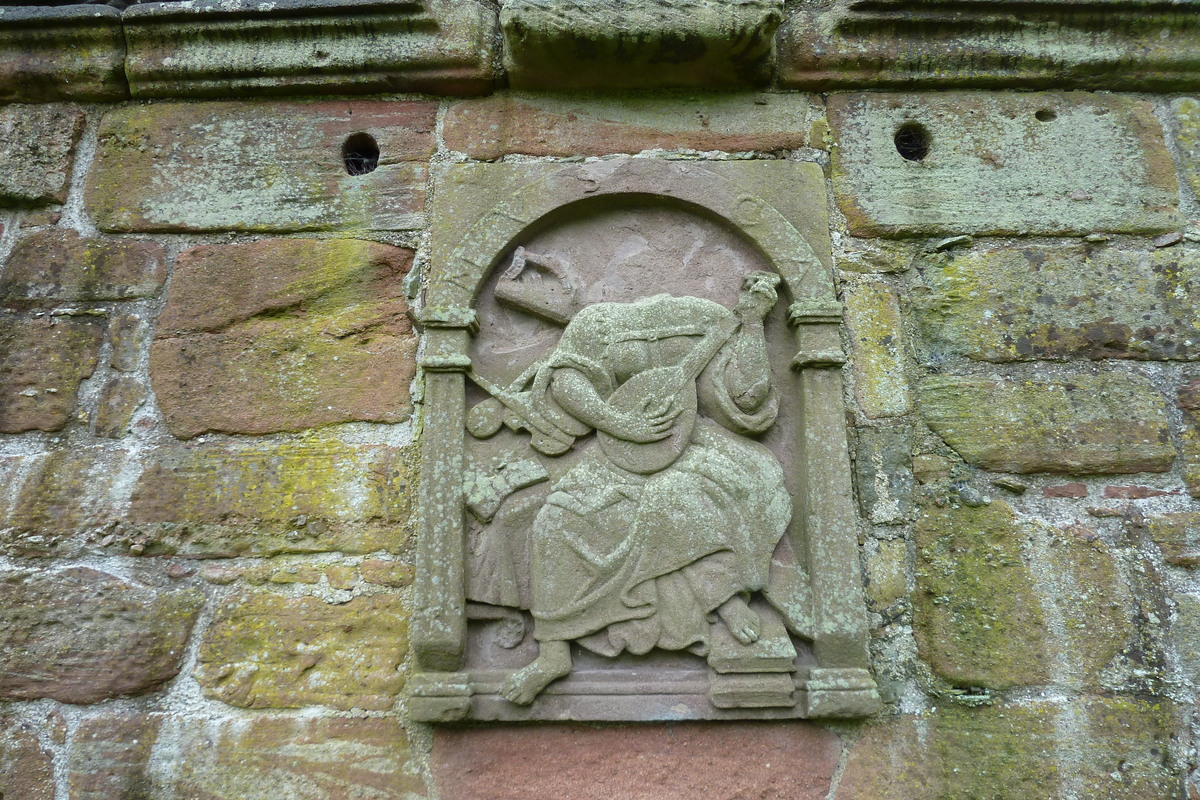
point(767, 216)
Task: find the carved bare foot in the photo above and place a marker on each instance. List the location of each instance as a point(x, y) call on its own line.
point(553, 661)
point(743, 622)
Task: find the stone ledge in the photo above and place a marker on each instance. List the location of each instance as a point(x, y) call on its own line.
point(237, 47)
point(908, 44)
point(68, 52)
point(576, 43)
point(232, 48)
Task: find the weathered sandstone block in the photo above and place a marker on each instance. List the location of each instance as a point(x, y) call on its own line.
point(42, 361)
point(883, 474)
point(298, 497)
point(72, 51)
point(284, 334)
point(82, 636)
point(303, 757)
point(110, 755)
point(1024, 303)
point(979, 610)
point(755, 761)
point(266, 650)
point(55, 496)
point(1011, 751)
point(1051, 163)
point(210, 49)
point(259, 167)
point(26, 770)
point(1187, 138)
point(37, 149)
point(552, 125)
point(119, 399)
point(62, 265)
point(1106, 424)
point(877, 343)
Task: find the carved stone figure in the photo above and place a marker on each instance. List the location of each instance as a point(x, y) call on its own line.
point(648, 515)
point(670, 519)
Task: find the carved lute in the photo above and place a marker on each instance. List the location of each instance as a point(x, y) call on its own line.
point(660, 388)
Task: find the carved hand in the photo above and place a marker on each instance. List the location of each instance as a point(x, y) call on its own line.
point(649, 425)
point(758, 296)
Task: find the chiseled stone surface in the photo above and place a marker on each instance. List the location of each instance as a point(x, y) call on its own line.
point(877, 343)
point(1047, 162)
point(980, 609)
point(62, 265)
point(82, 636)
point(26, 768)
point(42, 361)
point(259, 166)
point(1107, 424)
point(37, 150)
point(1023, 303)
point(307, 758)
point(109, 757)
point(682, 761)
point(564, 125)
point(282, 335)
point(268, 650)
point(1011, 751)
point(54, 496)
point(264, 499)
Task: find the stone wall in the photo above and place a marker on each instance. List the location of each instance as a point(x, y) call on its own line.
point(209, 407)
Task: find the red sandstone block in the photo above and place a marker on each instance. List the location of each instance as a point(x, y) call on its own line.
point(682, 761)
point(490, 127)
point(62, 265)
point(1134, 492)
point(1072, 490)
point(284, 334)
point(42, 361)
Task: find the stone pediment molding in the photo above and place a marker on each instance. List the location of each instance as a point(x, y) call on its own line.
point(211, 48)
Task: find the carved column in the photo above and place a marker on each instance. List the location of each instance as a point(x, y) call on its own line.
point(439, 624)
point(842, 685)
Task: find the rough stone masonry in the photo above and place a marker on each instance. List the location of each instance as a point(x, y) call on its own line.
point(210, 405)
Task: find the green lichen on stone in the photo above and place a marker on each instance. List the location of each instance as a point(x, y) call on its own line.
point(1187, 138)
point(977, 618)
point(877, 341)
point(258, 167)
point(1109, 423)
point(993, 166)
point(303, 496)
point(267, 650)
point(1112, 747)
point(1025, 303)
point(1178, 535)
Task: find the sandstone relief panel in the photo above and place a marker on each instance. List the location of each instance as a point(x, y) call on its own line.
point(636, 497)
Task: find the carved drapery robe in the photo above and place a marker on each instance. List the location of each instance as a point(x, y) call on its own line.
point(627, 561)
